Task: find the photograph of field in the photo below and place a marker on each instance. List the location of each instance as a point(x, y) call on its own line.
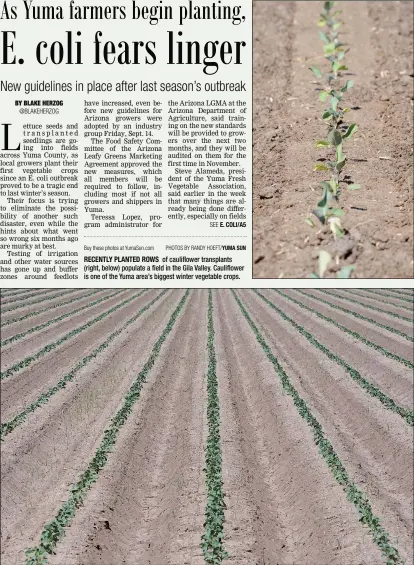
point(333, 139)
point(200, 427)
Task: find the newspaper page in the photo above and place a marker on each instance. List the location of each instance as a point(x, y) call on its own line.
point(155, 408)
point(125, 143)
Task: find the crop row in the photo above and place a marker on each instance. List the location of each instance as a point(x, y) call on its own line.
point(39, 327)
point(13, 292)
point(371, 389)
point(388, 295)
point(393, 314)
point(9, 426)
point(359, 316)
point(212, 540)
point(47, 309)
point(31, 302)
point(403, 291)
point(5, 299)
point(402, 306)
point(338, 133)
point(55, 530)
point(356, 335)
point(213, 537)
point(50, 346)
point(354, 494)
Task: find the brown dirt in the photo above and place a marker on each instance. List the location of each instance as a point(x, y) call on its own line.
point(20, 312)
point(389, 375)
point(402, 308)
point(52, 446)
point(34, 342)
point(19, 390)
point(381, 454)
point(24, 325)
point(345, 300)
point(152, 494)
point(394, 343)
point(31, 293)
point(283, 506)
point(286, 125)
point(43, 300)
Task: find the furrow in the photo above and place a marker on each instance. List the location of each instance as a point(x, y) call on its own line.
point(54, 437)
point(47, 309)
point(357, 315)
point(283, 505)
point(6, 302)
point(388, 295)
point(152, 491)
point(51, 346)
point(18, 419)
point(372, 390)
point(13, 292)
point(54, 530)
point(354, 334)
point(40, 327)
point(30, 303)
point(401, 291)
point(354, 494)
point(351, 299)
point(375, 299)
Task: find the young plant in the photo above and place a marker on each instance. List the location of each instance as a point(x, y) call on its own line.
point(328, 211)
point(334, 50)
point(323, 262)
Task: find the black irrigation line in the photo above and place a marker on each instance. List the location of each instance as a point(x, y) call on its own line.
point(358, 336)
point(48, 308)
point(353, 493)
point(351, 299)
point(40, 327)
point(51, 346)
point(54, 530)
point(17, 420)
point(358, 316)
point(372, 390)
point(212, 539)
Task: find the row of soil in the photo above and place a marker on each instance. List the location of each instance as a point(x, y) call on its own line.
point(344, 301)
point(374, 445)
point(152, 491)
point(287, 123)
point(31, 343)
point(282, 502)
point(30, 311)
point(381, 336)
point(46, 317)
point(52, 446)
point(20, 297)
point(392, 377)
point(44, 298)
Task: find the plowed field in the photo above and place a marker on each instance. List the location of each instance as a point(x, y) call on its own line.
point(287, 123)
point(191, 427)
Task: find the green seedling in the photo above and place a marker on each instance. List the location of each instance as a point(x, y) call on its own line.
point(324, 260)
point(334, 116)
point(333, 49)
point(333, 93)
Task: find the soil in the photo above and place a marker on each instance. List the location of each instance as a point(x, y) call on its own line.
point(282, 504)
point(287, 124)
point(24, 308)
